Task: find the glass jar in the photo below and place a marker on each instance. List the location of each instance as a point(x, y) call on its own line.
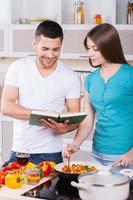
point(33, 176)
point(98, 19)
point(130, 13)
point(79, 12)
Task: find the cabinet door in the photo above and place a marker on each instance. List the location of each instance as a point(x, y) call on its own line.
point(21, 38)
point(73, 45)
point(6, 136)
point(126, 37)
point(3, 41)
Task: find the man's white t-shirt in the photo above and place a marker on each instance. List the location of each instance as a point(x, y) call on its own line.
point(43, 93)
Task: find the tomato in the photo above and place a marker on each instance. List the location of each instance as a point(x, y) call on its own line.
point(2, 177)
point(46, 168)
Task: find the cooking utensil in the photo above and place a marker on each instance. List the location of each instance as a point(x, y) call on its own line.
point(68, 164)
point(105, 185)
point(72, 176)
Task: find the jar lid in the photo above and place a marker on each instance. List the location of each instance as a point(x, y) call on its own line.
point(104, 180)
point(97, 16)
point(33, 171)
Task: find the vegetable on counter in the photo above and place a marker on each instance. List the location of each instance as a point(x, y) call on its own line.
point(12, 175)
point(2, 177)
point(47, 167)
point(14, 166)
point(15, 180)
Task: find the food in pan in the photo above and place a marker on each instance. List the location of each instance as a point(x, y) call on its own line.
point(78, 168)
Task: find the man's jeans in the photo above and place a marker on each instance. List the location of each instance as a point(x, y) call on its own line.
point(37, 158)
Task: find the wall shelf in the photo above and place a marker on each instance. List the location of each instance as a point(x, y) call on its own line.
point(12, 33)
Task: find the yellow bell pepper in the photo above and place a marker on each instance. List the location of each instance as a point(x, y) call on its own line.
point(52, 164)
point(15, 180)
point(30, 165)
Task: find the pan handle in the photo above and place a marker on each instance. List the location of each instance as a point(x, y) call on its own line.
point(79, 185)
point(128, 172)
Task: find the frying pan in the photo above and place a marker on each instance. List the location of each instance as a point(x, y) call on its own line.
point(72, 176)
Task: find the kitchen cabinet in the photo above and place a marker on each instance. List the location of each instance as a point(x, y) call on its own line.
point(126, 36)
point(0, 144)
point(3, 40)
point(6, 134)
point(20, 40)
point(23, 22)
point(76, 37)
point(20, 16)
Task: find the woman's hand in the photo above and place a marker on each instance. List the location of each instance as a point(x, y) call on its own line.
point(125, 160)
point(69, 150)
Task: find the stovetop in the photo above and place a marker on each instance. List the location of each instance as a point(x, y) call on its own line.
point(55, 189)
point(59, 189)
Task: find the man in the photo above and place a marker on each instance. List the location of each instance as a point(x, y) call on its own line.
point(40, 83)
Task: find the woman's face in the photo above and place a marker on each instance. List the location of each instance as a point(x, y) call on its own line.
point(94, 54)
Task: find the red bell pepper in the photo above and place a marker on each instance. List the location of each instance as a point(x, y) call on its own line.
point(2, 177)
point(46, 168)
point(12, 166)
point(15, 165)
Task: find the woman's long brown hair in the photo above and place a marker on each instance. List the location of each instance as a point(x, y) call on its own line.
point(106, 38)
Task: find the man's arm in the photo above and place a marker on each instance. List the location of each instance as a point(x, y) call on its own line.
point(10, 107)
point(73, 105)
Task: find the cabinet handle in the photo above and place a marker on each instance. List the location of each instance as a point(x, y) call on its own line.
point(83, 56)
point(31, 54)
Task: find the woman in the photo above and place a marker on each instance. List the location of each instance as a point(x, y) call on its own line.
point(108, 100)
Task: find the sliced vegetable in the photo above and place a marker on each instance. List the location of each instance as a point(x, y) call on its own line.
point(78, 168)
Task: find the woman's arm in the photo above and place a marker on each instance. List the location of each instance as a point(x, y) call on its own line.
point(85, 128)
point(125, 159)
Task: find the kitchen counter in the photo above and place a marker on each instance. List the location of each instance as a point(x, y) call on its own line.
point(5, 118)
point(15, 194)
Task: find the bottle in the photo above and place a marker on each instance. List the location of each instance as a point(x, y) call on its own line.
point(98, 19)
point(79, 12)
point(130, 13)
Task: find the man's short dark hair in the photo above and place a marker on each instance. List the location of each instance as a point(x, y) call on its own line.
point(50, 29)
